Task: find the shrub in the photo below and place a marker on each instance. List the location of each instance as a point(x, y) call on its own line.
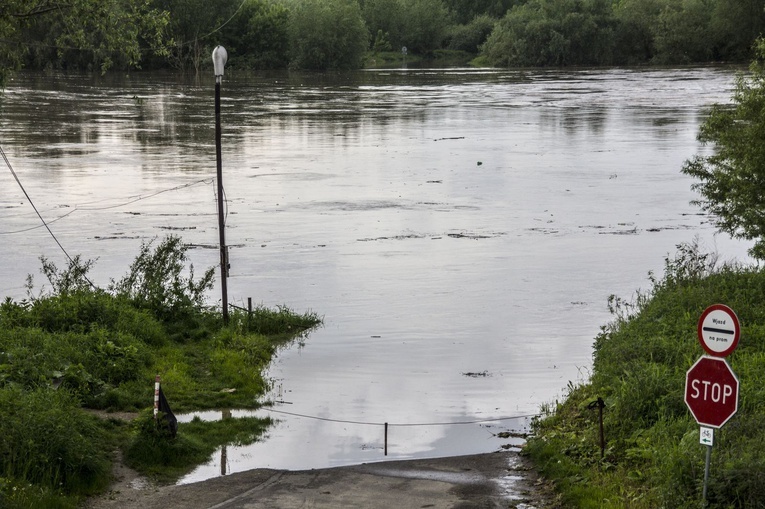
point(157, 281)
point(49, 441)
point(471, 36)
point(327, 34)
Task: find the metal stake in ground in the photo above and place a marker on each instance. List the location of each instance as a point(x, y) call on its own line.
point(219, 57)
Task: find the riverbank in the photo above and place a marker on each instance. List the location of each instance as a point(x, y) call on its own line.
point(501, 479)
point(652, 455)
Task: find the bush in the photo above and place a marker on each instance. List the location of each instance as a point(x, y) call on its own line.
point(327, 34)
point(49, 441)
point(471, 36)
point(157, 282)
point(554, 33)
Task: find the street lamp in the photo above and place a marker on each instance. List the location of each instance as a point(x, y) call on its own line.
point(219, 57)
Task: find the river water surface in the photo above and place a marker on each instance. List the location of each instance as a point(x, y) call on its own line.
point(459, 230)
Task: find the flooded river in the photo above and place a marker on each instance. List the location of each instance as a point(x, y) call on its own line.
point(459, 230)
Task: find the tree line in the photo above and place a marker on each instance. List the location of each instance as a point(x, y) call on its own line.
point(341, 34)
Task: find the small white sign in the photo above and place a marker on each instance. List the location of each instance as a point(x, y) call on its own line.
point(707, 436)
point(719, 330)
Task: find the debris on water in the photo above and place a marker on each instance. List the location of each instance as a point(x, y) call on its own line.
point(481, 374)
point(633, 231)
point(512, 434)
point(479, 163)
point(452, 138)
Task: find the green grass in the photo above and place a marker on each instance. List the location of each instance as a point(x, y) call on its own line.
point(653, 456)
point(81, 348)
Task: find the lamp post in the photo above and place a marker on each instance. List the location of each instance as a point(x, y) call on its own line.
point(219, 57)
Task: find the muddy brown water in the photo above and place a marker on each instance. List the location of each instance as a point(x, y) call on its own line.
point(459, 230)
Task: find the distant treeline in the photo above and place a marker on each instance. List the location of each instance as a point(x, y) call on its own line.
point(341, 34)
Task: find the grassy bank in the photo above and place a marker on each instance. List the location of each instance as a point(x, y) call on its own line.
point(74, 348)
point(653, 457)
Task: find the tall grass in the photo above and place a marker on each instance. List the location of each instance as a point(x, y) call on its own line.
point(653, 457)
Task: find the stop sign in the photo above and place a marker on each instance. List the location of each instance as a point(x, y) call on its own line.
point(711, 391)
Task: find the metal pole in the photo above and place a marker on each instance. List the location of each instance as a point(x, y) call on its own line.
point(219, 60)
point(706, 476)
point(386, 439)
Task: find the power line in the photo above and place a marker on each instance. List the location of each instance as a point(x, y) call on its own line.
point(136, 198)
point(8, 163)
point(132, 199)
point(343, 421)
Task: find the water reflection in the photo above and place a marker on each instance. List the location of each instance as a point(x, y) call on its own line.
point(443, 223)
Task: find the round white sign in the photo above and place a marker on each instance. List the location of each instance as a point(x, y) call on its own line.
point(719, 330)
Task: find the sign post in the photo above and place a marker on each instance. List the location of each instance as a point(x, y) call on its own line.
point(711, 387)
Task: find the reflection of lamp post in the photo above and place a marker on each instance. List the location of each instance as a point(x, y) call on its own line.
point(219, 57)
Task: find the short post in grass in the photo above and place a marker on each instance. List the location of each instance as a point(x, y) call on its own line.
point(156, 396)
point(600, 404)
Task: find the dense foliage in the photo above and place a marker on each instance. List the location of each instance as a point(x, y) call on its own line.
point(653, 457)
point(732, 178)
point(335, 34)
point(75, 347)
point(78, 33)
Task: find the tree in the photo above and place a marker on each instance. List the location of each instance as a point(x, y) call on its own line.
point(258, 35)
point(637, 21)
point(731, 181)
point(554, 33)
point(192, 26)
point(734, 25)
point(466, 10)
point(682, 32)
point(98, 33)
point(327, 34)
point(387, 16)
point(471, 36)
point(425, 26)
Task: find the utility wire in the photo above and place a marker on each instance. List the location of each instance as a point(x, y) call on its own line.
point(136, 198)
point(8, 163)
point(327, 419)
point(132, 199)
point(40, 225)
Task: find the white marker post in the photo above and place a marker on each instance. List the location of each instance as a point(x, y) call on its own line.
point(156, 396)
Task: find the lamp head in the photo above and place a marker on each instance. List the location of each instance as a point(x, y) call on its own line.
point(219, 57)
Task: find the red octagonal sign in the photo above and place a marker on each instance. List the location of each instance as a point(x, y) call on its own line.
point(711, 391)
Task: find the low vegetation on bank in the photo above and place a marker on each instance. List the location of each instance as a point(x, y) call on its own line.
point(75, 348)
point(653, 457)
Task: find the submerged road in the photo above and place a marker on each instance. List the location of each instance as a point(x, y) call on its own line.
point(491, 480)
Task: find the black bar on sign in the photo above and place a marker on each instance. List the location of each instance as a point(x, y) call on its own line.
point(721, 331)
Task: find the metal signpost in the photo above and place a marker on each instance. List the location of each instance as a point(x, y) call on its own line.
point(711, 387)
point(220, 57)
